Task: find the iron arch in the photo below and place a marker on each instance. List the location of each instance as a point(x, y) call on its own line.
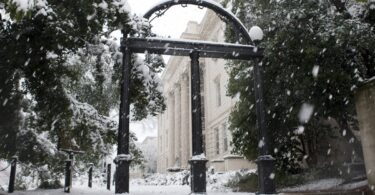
point(216, 7)
point(195, 50)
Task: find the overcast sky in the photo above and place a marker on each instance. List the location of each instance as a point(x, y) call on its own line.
point(171, 24)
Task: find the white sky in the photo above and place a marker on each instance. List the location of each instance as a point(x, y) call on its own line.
point(171, 24)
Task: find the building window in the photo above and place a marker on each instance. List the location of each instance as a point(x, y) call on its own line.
point(218, 91)
point(217, 140)
point(225, 137)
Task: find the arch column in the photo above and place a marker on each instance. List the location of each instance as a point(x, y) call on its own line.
point(123, 157)
point(198, 161)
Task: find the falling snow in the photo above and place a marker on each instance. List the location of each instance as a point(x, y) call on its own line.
point(305, 112)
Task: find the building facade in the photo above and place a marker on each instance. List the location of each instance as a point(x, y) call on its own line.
point(174, 125)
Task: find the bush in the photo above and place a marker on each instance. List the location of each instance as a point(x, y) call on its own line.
point(50, 184)
point(20, 184)
point(249, 182)
point(244, 183)
point(289, 180)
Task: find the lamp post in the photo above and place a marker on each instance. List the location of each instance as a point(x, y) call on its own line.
point(265, 160)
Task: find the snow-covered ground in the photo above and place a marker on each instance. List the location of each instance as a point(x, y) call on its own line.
point(134, 190)
point(332, 184)
point(175, 184)
point(216, 182)
point(168, 184)
point(323, 184)
point(4, 175)
point(156, 184)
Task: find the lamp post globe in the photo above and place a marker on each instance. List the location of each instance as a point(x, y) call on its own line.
point(256, 33)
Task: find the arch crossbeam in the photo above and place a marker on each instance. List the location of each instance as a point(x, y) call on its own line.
point(185, 47)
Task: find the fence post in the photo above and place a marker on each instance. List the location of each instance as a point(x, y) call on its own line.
point(90, 175)
point(109, 176)
point(68, 175)
point(12, 178)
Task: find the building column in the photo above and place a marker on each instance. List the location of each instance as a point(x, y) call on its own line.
point(160, 143)
point(171, 146)
point(190, 146)
point(165, 142)
point(177, 125)
point(185, 153)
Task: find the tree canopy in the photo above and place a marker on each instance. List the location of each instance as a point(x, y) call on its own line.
point(60, 76)
point(316, 54)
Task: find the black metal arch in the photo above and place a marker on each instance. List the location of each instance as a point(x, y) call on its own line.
point(194, 49)
point(217, 8)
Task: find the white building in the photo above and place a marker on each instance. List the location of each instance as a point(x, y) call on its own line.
point(174, 130)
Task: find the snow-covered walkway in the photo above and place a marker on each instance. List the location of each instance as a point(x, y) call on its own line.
point(134, 190)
